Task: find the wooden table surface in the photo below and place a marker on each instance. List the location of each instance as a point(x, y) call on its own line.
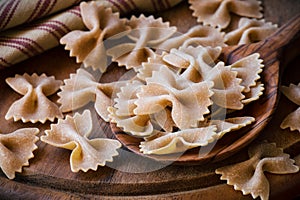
point(49, 175)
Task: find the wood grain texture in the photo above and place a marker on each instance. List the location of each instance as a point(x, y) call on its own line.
point(131, 176)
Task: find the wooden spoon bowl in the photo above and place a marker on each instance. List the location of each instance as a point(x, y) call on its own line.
point(269, 49)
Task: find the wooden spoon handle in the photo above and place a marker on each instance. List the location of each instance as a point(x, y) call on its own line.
point(268, 48)
point(283, 36)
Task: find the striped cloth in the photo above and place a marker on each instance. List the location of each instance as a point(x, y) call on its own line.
point(30, 27)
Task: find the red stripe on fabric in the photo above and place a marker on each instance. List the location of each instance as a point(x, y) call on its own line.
point(21, 43)
point(53, 3)
point(34, 11)
point(62, 25)
point(2, 5)
point(43, 9)
point(53, 24)
point(6, 63)
point(12, 13)
point(117, 6)
point(15, 47)
point(75, 11)
point(32, 42)
point(5, 13)
point(53, 33)
point(55, 28)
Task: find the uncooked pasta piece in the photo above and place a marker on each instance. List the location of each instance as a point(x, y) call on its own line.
point(229, 124)
point(227, 87)
point(72, 133)
point(218, 13)
point(88, 46)
point(198, 61)
point(124, 102)
point(254, 93)
point(180, 141)
point(136, 125)
point(189, 101)
point(249, 177)
point(122, 112)
point(16, 149)
point(154, 64)
point(292, 92)
point(292, 121)
point(34, 106)
point(146, 32)
point(195, 36)
point(82, 88)
point(250, 31)
point(248, 70)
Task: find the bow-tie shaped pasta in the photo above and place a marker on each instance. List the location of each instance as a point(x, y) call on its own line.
point(88, 46)
point(218, 12)
point(249, 31)
point(179, 141)
point(237, 83)
point(154, 64)
point(198, 60)
point(248, 176)
point(82, 88)
point(189, 101)
point(72, 133)
point(195, 36)
point(292, 121)
point(248, 70)
point(146, 32)
point(34, 106)
point(227, 125)
point(227, 86)
point(122, 113)
point(16, 149)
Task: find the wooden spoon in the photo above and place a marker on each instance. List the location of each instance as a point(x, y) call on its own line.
point(269, 49)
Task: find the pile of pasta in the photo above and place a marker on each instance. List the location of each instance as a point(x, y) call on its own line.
point(177, 92)
point(176, 98)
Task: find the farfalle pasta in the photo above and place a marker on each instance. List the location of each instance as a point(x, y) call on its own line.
point(123, 112)
point(179, 141)
point(189, 101)
point(249, 31)
point(82, 88)
point(183, 140)
point(195, 36)
point(175, 101)
point(227, 125)
point(34, 106)
point(88, 46)
point(72, 133)
point(217, 13)
point(16, 149)
point(174, 92)
point(227, 87)
point(146, 32)
point(249, 177)
point(292, 120)
point(248, 70)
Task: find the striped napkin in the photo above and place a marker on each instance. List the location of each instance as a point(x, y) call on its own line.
point(30, 27)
